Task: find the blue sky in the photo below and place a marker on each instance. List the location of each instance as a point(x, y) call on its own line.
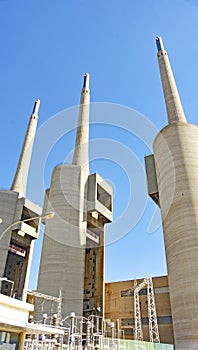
point(46, 47)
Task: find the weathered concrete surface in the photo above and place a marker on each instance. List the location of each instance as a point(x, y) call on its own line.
point(63, 253)
point(176, 155)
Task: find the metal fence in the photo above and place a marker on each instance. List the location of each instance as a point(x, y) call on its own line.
point(35, 344)
point(99, 343)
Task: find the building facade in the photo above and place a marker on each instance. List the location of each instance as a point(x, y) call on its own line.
point(119, 309)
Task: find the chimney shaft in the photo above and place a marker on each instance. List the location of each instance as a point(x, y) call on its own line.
point(173, 104)
point(19, 183)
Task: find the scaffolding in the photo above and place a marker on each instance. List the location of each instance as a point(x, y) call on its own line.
point(152, 315)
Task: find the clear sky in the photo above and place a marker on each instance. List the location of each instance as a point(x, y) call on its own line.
point(46, 47)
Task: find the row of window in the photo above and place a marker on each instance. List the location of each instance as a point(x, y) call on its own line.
point(145, 320)
point(128, 331)
point(129, 292)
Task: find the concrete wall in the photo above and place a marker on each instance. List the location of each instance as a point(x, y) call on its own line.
point(8, 204)
point(63, 253)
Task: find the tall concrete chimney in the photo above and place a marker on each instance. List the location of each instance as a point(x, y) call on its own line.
point(81, 152)
point(176, 160)
point(173, 104)
point(19, 183)
point(73, 248)
point(65, 236)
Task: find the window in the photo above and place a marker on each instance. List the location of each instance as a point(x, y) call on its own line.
point(143, 291)
point(164, 319)
point(128, 331)
point(127, 321)
point(86, 291)
point(145, 320)
point(126, 293)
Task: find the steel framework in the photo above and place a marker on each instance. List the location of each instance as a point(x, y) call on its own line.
point(57, 300)
point(152, 315)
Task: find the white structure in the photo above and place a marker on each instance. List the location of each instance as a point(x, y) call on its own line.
point(14, 316)
point(176, 163)
point(14, 323)
point(73, 255)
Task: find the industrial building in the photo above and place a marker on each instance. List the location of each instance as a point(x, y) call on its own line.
point(119, 308)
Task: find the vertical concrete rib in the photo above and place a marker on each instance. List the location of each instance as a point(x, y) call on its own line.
point(19, 183)
point(173, 104)
point(81, 151)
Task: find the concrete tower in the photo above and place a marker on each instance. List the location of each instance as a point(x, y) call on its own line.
point(16, 246)
point(20, 180)
point(176, 164)
point(76, 232)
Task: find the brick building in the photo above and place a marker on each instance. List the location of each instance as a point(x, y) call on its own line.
point(119, 308)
